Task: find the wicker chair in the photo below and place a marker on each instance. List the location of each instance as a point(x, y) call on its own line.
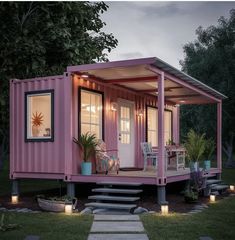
point(105, 162)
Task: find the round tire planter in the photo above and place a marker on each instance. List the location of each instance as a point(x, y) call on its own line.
point(86, 168)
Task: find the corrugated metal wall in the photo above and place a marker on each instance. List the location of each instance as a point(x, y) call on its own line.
point(111, 94)
point(37, 157)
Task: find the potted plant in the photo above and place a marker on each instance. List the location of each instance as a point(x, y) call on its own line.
point(209, 150)
point(195, 147)
point(87, 142)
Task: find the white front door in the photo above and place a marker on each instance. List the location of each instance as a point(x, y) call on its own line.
point(126, 138)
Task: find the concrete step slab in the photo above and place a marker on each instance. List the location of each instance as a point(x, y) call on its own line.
point(113, 198)
point(131, 184)
point(111, 205)
point(219, 187)
point(212, 181)
point(117, 190)
point(117, 218)
point(118, 236)
point(117, 227)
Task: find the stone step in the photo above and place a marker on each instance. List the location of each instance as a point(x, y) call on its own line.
point(118, 236)
point(117, 190)
point(111, 205)
point(213, 181)
point(219, 187)
point(113, 198)
point(131, 184)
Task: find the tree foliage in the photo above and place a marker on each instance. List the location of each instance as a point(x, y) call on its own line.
point(211, 59)
point(42, 38)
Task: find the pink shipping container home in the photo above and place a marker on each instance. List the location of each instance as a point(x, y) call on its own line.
point(124, 103)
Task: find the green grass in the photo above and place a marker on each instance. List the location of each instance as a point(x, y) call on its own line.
point(217, 221)
point(48, 226)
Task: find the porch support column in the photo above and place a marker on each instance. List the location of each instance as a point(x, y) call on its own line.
point(161, 174)
point(70, 189)
point(15, 187)
point(219, 137)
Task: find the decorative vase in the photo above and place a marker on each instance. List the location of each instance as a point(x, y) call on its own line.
point(207, 165)
point(86, 168)
point(194, 166)
point(35, 131)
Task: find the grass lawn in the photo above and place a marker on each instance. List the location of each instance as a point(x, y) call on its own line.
point(48, 226)
point(217, 221)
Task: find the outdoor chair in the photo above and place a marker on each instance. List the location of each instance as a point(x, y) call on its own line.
point(148, 154)
point(105, 162)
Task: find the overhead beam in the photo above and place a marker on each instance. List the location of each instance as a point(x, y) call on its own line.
point(183, 96)
point(156, 89)
point(132, 80)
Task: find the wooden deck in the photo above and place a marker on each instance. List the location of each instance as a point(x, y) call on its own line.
point(148, 177)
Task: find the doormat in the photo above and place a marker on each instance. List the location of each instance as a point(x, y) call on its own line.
point(131, 169)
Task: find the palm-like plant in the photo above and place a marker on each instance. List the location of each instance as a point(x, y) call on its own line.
point(195, 145)
point(87, 142)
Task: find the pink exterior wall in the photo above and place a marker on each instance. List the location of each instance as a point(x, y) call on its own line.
point(112, 93)
point(38, 157)
point(60, 159)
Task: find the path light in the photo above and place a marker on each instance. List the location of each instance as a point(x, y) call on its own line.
point(231, 187)
point(68, 209)
point(164, 208)
point(14, 198)
point(212, 198)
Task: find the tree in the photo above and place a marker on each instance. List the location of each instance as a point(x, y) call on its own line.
point(42, 38)
point(211, 59)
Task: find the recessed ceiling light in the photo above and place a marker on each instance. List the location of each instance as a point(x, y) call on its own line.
point(182, 101)
point(85, 75)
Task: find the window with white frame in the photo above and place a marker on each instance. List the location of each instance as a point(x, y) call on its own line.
point(91, 113)
point(39, 115)
point(152, 126)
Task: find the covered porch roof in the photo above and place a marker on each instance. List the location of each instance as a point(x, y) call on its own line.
point(141, 75)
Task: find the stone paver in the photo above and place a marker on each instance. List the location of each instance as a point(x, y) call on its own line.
point(32, 237)
point(117, 218)
point(117, 226)
point(117, 237)
point(205, 238)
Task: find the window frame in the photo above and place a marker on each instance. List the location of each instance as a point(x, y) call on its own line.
point(80, 89)
point(146, 122)
point(39, 139)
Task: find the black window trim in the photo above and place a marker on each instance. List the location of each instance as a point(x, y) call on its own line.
point(146, 122)
point(51, 139)
point(80, 88)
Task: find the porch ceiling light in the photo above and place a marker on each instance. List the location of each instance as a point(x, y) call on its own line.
point(84, 75)
point(182, 101)
point(113, 106)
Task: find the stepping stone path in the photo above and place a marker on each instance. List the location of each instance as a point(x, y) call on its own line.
point(117, 227)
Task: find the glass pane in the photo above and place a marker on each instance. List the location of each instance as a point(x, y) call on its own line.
point(125, 138)
point(91, 113)
point(125, 126)
point(39, 116)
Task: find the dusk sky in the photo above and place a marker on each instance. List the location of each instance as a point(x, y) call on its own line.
point(146, 29)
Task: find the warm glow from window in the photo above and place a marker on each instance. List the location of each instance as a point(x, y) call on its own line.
point(152, 126)
point(91, 113)
point(125, 125)
point(39, 115)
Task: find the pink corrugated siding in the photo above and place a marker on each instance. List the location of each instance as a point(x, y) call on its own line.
point(37, 157)
point(110, 129)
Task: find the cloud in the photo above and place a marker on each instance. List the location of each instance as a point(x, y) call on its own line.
point(146, 29)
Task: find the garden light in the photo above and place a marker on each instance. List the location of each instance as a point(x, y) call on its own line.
point(231, 187)
point(68, 208)
point(14, 199)
point(164, 209)
point(212, 198)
